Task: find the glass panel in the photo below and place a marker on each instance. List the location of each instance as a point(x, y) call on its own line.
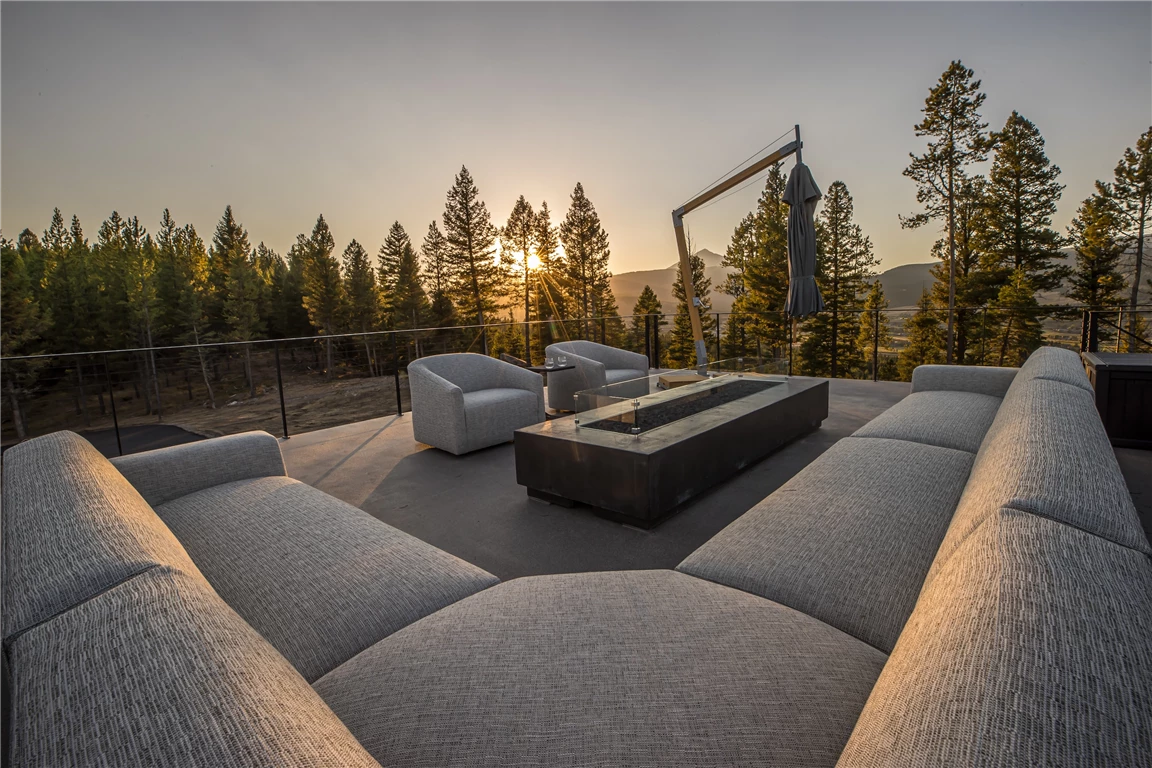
point(641, 405)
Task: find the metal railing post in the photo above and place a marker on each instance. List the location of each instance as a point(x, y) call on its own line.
point(112, 400)
point(1119, 327)
point(603, 330)
point(648, 339)
point(1084, 331)
point(280, 386)
point(396, 373)
point(876, 346)
point(1093, 331)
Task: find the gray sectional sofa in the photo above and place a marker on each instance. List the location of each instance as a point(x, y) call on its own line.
point(964, 581)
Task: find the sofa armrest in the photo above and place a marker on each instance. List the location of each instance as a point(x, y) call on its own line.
point(437, 410)
point(169, 473)
point(521, 378)
point(983, 380)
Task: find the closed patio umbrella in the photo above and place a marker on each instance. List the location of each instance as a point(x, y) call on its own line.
point(802, 194)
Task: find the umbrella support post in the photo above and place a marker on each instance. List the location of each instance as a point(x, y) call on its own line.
point(792, 147)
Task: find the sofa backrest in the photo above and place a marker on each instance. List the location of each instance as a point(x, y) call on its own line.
point(159, 671)
point(1031, 640)
point(467, 370)
point(117, 649)
point(1032, 646)
point(73, 527)
point(1047, 454)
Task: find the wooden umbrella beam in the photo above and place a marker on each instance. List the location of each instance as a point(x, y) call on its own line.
point(720, 188)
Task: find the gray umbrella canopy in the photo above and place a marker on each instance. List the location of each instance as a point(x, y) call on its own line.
point(802, 194)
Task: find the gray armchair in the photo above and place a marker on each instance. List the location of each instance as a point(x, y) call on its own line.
point(596, 366)
point(464, 402)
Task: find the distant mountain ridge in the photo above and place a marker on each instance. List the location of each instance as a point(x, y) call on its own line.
point(902, 285)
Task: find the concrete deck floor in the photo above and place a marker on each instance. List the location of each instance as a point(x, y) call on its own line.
point(472, 507)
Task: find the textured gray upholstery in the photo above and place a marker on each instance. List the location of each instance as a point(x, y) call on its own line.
point(1047, 453)
point(73, 527)
point(169, 473)
point(632, 668)
point(983, 380)
point(318, 578)
point(849, 539)
point(159, 672)
point(1031, 647)
point(1056, 364)
point(464, 402)
point(947, 419)
point(596, 365)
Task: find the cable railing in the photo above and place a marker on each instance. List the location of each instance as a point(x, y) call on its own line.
point(126, 400)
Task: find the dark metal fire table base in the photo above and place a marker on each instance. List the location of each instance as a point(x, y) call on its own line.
point(643, 479)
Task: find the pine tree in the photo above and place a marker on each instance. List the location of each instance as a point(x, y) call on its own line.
point(844, 264)
point(1096, 280)
point(740, 254)
point(517, 242)
point(1017, 313)
point(228, 242)
point(181, 290)
point(363, 296)
point(323, 286)
point(410, 301)
point(923, 334)
point(396, 244)
point(971, 285)
point(22, 324)
point(438, 276)
point(681, 345)
point(273, 272)
point(552, 301)
point(1131, 191)
point(647, 305)
point(477, 279)
point(244, 288)
point(957, 139)
point(873, 334)
point(586, 253)
point(1019, 201)
point(1094, 234)
point(766, 273)
point(68, 295)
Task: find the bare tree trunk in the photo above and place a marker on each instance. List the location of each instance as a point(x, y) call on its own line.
point(248, 370)
point(204, 368)
point(152, 360)
point(1004, 344)
point(17, 414)
point(368, 352)
point(1136, 278)
point(83, 396)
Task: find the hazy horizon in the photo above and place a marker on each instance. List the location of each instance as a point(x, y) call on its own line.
point(365, 112)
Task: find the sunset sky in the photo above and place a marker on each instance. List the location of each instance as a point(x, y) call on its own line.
point(364, 112)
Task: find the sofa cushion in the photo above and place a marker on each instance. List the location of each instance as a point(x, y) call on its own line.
point(73, 527)
point(318, 578)
point(623, 668)
point(849, 539)
point(1033, 646)
point(1047, 453)
point(158, 671)
point(493, 415)
point(616, 375)
point(1054, 364)
point(947, 419)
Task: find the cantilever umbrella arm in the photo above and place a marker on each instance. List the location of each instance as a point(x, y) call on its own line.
point(678, 215)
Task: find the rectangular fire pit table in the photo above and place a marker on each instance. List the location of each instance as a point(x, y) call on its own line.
point(636, 453)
